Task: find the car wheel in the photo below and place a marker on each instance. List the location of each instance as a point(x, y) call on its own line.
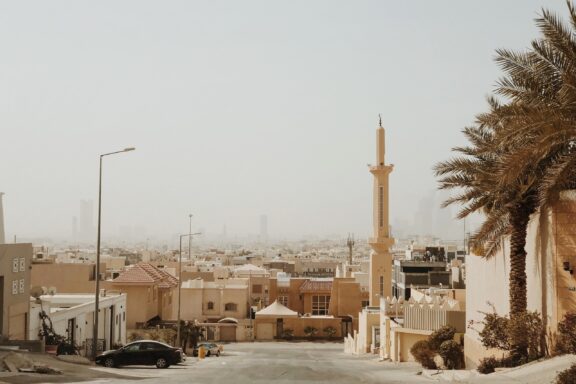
point(109, 363)
point(218, 354)
point(207, 353)
point(162, 363)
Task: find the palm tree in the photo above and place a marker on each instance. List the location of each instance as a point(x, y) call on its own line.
point(506, 206)
point(523, 152)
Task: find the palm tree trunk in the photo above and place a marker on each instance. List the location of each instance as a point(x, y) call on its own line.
point(519, 217)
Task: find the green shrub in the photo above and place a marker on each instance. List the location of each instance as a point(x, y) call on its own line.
point(287, 333)
point(424, 354)
point(495, 332)
point(441, 335)
point(329, 331)
point(310, 331)
point(488, 365)
point(567, 376)
point(452, 353)
point(566, 342)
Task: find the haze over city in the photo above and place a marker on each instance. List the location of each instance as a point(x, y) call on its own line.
point(238, 109)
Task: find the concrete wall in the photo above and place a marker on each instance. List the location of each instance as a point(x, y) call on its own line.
point(66, 277)
point(15, 262)
point(551, 240)
point(298, 324)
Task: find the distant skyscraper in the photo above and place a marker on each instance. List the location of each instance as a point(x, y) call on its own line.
point(86, 220)
point(2, 233)
point(263, 228)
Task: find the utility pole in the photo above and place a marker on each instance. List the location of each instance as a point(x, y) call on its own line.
point(190, 239)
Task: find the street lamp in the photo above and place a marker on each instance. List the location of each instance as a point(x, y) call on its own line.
point(97, 301)
point(180, 283)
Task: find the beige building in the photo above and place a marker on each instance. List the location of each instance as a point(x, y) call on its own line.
point(220, 306)
point(72, 316)
point(550, 266)
point(15, 290)
point(151, 293)
point(273, 321)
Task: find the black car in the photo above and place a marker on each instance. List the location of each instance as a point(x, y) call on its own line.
point(142, 352)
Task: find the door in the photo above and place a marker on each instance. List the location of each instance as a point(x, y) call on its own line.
point(279, 327)
point(71, 331)
point(228, 333)
point(129, 354)
point(111, 340)
point(264, 332)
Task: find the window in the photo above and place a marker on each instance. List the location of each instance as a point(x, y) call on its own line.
point(149, 294)
point(14, 287)
point(283, 300)
point(22, 264)
point(381, 206)
point(381, 286)
point(21, 286)
point(210, 306)
point(365, 303)
point(14, 265)
point(230, 307)
point(320, 305)
point(257, 288)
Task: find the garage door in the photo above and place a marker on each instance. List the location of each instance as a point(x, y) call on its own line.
point(228, 333)
point(264, 332)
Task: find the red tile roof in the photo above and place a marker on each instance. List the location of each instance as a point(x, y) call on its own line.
point(316, 286)
point(144, 274)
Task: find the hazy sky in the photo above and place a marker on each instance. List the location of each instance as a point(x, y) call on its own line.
point(238, 108)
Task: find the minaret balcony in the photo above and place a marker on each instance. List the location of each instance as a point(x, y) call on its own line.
point(381, 243)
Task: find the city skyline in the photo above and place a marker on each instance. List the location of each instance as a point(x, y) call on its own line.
point(239, 116)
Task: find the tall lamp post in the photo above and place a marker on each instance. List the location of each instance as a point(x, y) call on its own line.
point(97, 301)
point(180, 284)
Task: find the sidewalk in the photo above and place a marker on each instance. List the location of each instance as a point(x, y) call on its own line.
point(537, 372)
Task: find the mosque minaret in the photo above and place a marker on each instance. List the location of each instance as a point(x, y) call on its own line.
point(380, 284)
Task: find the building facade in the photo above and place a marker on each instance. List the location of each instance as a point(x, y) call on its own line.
point(15, 290)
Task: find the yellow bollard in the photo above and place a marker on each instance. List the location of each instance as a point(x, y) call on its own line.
point(201, 352)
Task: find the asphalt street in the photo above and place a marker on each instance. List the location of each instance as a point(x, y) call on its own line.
point(279, 362)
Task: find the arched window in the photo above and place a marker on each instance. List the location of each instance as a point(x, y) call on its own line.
point(210, 305)
point(230, 307)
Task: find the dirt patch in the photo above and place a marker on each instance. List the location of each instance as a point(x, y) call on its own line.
point(70, 372)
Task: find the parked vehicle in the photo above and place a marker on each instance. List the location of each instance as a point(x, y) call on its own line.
point(212, 349)
point(142, 352)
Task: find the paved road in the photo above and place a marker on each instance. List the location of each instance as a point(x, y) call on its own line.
point(279, 363)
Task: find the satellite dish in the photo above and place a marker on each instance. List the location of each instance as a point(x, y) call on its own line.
point(36, 291)
point(52, 291)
